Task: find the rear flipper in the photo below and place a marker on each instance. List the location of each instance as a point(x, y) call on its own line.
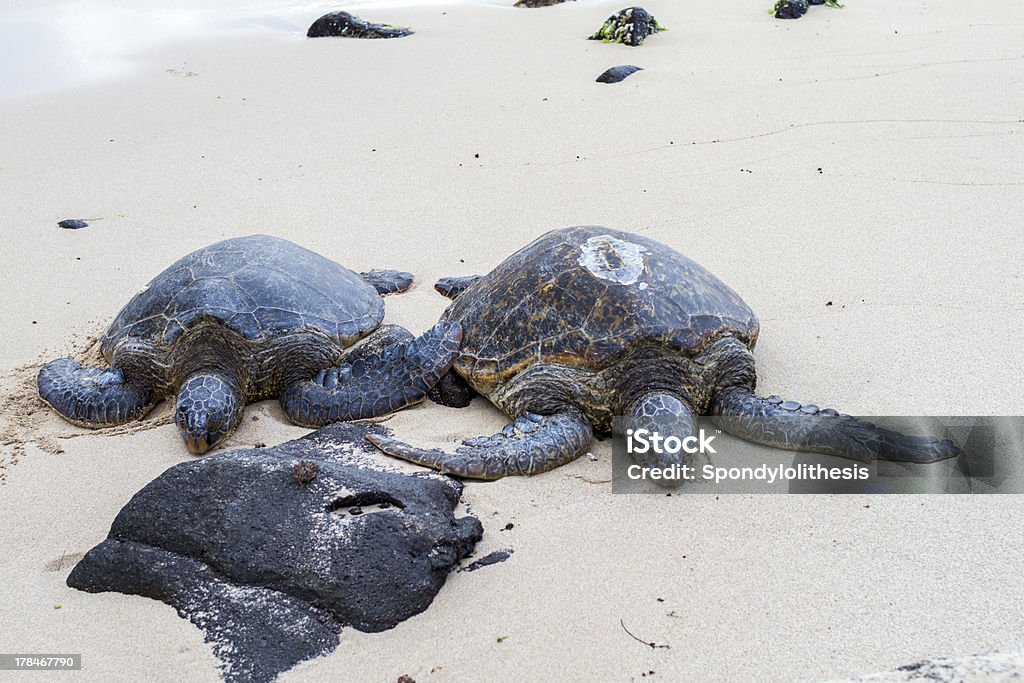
point(388, 281)
point(530, 445)
point(90, 397)
point(787, 424)
point(451, 287)
point(374, 384)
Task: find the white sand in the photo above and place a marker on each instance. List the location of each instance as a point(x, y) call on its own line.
point(912, 229)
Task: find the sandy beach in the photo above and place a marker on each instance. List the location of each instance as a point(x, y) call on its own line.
point(856, 175)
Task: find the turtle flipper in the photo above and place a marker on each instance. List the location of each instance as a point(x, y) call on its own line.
point(378, 340)
point(388, 281)
point(451, 287)
point(787, 424)
point(530, 445)
point(374, 384)
point(91, 397)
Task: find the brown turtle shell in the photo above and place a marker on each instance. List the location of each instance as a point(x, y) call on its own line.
point(261, 288)
point(586, 296)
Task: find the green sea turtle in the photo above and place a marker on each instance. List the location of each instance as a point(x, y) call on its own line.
point(248, 319)
point(585, 324)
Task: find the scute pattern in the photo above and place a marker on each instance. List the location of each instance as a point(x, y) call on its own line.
point(249, 285)
point(541, 304)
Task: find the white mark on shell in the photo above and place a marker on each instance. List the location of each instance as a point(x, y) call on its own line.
point(613, 259)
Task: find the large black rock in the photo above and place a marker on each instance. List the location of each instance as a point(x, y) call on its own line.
point(790, 9)
point(272, 551)
point(344, 25)
point(629, 26)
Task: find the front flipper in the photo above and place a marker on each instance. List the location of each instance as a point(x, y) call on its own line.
point(787, 424)
point(376, 384)
point(451, 287)
point(530, 445)
point(388, 281)
point(90, 397)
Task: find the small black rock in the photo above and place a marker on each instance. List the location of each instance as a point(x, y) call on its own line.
point(618, 73)
point(542, 3)
point(487, 560)
point(343, 24)
point(452, 391)
point(790, 9)
point(72, 224)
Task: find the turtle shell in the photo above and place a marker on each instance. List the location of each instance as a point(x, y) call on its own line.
point(260, 287)
point(585, 297)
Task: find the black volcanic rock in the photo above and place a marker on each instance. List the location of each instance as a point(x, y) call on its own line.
point(271, 565)
point(452, 391)
point(618, 73)
point(538, 3)
point(790, 9)
point(344, 25)
point(72, 224)
point(629, 26)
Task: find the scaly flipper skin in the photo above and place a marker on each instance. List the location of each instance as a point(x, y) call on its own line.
point(388, 281)
point(451, 287)
point(787, 424)
point(376, 384)
point(530, 445)
point(378, 340)
point(91, 397)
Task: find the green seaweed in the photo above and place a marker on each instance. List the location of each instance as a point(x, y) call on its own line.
point(607, 31)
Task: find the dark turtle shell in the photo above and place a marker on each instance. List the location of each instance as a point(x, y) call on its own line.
point(260, 287)
point(587, 296)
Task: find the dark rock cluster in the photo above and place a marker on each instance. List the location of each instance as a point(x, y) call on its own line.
point(794, 9)
point(629, 26)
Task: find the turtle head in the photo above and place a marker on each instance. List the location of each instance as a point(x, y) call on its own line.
point(207, 412)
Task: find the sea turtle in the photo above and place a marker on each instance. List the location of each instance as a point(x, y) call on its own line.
point(587, 323)
point(248, 319)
